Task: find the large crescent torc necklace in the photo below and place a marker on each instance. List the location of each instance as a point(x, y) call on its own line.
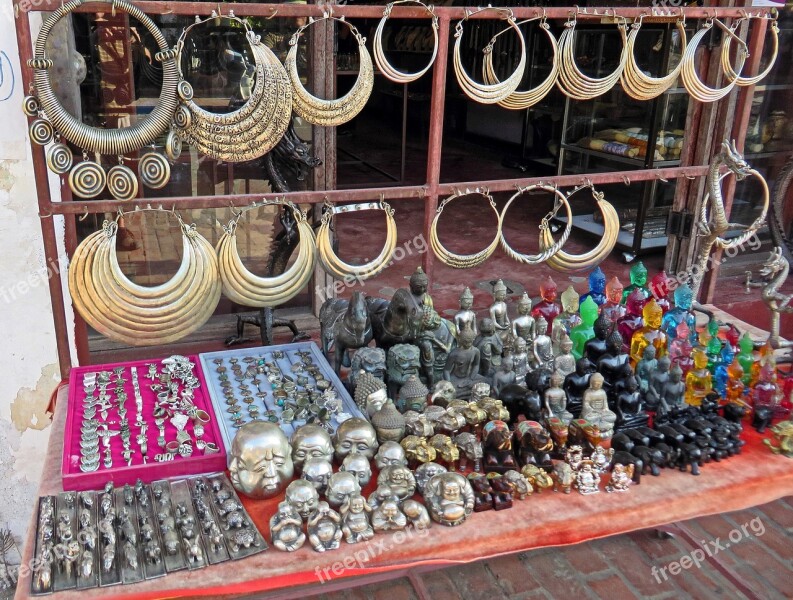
point(252, 130)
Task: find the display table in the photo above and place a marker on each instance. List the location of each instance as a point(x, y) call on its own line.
point(547, 519)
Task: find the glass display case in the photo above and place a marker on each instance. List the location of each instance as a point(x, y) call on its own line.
point(612, 132)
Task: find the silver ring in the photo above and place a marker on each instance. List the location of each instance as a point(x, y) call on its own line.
point(211, 448)
point(185, 450)
point(172, 447)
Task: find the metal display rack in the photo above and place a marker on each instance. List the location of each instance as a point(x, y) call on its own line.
point(693, 162)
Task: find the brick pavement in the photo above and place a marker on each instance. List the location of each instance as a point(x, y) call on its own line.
point(760, 553)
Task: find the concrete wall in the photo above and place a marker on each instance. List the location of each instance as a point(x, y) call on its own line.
point(29, 372)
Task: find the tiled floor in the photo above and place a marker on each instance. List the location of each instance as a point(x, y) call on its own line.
point(642, 564)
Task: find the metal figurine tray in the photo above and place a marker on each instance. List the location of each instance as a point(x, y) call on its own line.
point(247, 379)
point(77, 477)
point(131, 533)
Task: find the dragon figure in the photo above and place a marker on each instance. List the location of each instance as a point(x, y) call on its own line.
point(773, 274)
point(713, 226)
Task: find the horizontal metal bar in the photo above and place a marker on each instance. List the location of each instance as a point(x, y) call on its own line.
point(627, 177)
point(400, 193)
point(77, 207)
point(404, 12)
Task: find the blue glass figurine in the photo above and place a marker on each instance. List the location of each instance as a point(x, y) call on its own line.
point(684, 297)
point(597, 287)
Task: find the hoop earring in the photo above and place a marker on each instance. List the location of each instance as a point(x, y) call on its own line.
point(139, 315)
point(536, 259)
point(53, 117)
point(330, 113)
point(568, 263)
point(337, 267)
point(634, 81)
point(521, 100)
point(248, 132)
point(488, 93)
point(463, 261)
point(380, 59)
point(575, 84)
point(243, 287)
point(744, 81)
point(692, 82)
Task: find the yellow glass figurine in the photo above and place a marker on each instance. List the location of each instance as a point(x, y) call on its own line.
point(735, 385)
point(651, 333)
point(699, 381)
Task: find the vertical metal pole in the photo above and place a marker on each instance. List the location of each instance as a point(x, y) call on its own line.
point(25, 46)
point(436, 134)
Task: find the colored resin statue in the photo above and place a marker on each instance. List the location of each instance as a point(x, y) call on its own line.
point(597, 288)
point(746, 357)
point(721, 374)
point(462, 365)
point(638, 282)
point(629, 406)
point(575, 384)
point(650, 334)
point(680, 348)
point(659, 287)
point(613, 307)
point(645, 368)
point(547, 307)
point(735, 384)
point(596, 347)
point(633, 319)
point(655, 388)
point(714, 344)
point(488, 342)
point(466, 318)
point(699, 381)
point(766, 393)
point(684, 298)
point(596, 409)
point(565, 361)
point(523, 325)
point(260, 460)
point(542, 349)
point(584, 331)
point(674, 392)
point(567, 319)
point(520, 359)
point(499, 313)
point(556, 399)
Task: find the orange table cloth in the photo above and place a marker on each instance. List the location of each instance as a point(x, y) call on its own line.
point(754, 477)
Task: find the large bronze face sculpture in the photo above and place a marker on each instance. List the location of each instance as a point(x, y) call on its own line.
point(261, 460)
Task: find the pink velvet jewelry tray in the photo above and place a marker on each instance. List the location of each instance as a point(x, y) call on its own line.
point(120, 473)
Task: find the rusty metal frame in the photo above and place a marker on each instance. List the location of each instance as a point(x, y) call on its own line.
point(428, 193)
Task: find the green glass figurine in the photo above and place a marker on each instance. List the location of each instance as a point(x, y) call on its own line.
point(581, 334)
point(650, 334)
point(567, 319)
point(638, 281)
point(746, 357)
